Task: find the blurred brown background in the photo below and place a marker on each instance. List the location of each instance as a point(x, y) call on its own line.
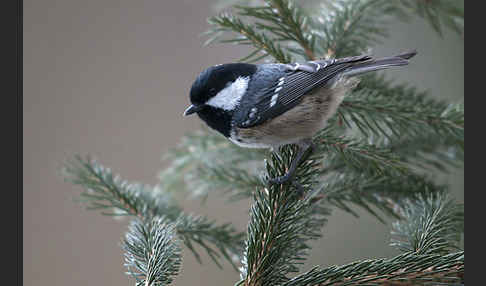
point(111, 78)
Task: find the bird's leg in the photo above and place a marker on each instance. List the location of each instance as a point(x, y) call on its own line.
point(304, 146)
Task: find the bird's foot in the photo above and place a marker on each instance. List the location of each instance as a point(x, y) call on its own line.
point(281, 179)
point(304, 146)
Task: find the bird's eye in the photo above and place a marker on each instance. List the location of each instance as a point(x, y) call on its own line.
point(212, 90)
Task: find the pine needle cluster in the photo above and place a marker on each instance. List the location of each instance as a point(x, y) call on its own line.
point(373, 155)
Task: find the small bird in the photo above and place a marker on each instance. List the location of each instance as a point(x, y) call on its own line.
point(273, 104)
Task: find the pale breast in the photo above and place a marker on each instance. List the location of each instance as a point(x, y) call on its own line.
point(301, 122)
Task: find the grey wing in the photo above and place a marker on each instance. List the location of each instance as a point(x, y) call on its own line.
point(288, 90)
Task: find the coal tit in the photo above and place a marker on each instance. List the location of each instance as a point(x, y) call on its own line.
point(269, 105)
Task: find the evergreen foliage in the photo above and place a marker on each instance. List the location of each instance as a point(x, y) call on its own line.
point(372, 155)
point(117, 197)
point(151, 249)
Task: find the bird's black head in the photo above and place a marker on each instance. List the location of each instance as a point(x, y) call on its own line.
point(211, 93)
point(214, 79)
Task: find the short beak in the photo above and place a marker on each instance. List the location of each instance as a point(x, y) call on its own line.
point(191, 109)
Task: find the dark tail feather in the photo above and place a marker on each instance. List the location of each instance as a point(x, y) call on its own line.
point(379, 64)
point(407, 55)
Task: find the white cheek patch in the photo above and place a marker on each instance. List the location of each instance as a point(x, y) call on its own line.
point(230, 96)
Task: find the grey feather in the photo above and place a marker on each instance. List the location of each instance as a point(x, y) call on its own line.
point(379, 64)
point(286, 84)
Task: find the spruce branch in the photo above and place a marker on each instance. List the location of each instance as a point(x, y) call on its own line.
point(296, 23)
point(236, 182)
point(240, 181)
point(385, 193)
point(399, 128)
point(152, 251)
point(201, 231)
point(282, 21)
point(286, 21)
point(428, 150)
point(103, 190)
point(358, 154)
point(429, 229)
point(281, 224)
point(264, 45)
point(439, 13)
point(350, 27)
point(430, 224)
point(205, 161)
point(403, 270)
point(406, 117)
point(378, 107)
point(358, 166)
point(338, 28)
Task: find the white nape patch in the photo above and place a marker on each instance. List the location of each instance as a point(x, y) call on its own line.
point(230, 96)
point(274, 100)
